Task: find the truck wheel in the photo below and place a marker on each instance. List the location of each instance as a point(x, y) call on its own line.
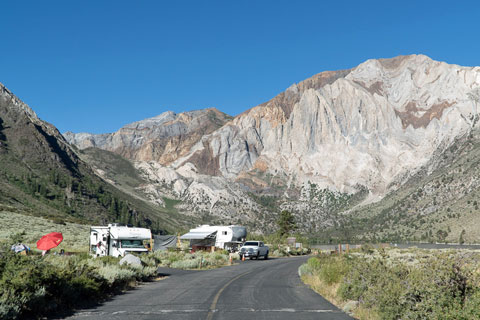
point(266, 256)
point(258, 255)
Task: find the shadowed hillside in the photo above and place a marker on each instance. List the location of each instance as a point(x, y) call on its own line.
point(42, 175)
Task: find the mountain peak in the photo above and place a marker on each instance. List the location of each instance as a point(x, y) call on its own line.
point(366, 126)
point(376, 121)
point(162, 138)
point(16, 104)
point(395, 62)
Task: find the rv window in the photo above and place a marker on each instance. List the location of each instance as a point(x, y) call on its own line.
point(132, 244)
point(224, 233)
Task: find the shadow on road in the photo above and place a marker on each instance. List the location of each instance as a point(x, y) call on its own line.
point(165, 272)
point(91, 305)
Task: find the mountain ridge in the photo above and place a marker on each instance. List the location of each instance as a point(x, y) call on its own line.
point(41, 174)
point(319, 149)
point(257, 127)
point(155, 138)
point(318, 123)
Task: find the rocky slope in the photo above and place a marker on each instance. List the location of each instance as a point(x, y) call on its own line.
point(42, 175)
point(366, 126)
point(439, 203)
point(319, 148)
point(162, 139)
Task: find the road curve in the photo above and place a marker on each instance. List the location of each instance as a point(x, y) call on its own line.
point(260, 289)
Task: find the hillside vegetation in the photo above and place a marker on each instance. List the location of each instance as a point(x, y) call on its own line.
point(440, 203)
point(399, 284)
point(32, 286)
point(42, 175)
point(75, 236)
point(122, 174)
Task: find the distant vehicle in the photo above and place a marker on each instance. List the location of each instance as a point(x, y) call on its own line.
point(254, 249)
point(223, 237)
point(116, 240)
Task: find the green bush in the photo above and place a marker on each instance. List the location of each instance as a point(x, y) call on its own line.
point(197, 260)
point(34, 286)
point(305, 270)
point(332, 269)
point(187, 264)
point(280, 253)
point(408, 284)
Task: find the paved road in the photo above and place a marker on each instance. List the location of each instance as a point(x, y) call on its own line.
point(252, 289)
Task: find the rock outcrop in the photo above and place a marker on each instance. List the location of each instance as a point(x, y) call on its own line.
point(29, 139)
point(366, 126)
point(312, 148)
point(163, 138)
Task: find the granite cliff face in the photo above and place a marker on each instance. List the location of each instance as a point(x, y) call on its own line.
point(367, 126)
point(314, 147)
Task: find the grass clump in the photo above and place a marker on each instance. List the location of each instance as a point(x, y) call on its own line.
point(33, 286)
point(75, 235)
point(197, 260)
point(400, 284)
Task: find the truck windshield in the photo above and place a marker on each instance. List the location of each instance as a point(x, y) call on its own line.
point(251, 243)
point(132, 244)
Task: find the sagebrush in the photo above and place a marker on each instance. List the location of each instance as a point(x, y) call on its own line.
point(403, 284)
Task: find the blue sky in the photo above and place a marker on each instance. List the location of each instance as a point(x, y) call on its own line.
point(94, 66)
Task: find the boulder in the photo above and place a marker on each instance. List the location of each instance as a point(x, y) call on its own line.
point(131, 260)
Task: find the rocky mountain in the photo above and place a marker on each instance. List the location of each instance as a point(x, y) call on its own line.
point(439, 203)
point(41, 174)
point(322, 147)
point(153, 145)
point(162, 139)
point(367, 126)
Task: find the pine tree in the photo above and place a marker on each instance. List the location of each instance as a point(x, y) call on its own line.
point(286, 223)
point(461, 239)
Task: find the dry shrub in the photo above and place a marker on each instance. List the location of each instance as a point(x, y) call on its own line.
point(400, 284)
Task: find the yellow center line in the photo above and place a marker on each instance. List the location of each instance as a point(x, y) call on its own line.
point(217, 296)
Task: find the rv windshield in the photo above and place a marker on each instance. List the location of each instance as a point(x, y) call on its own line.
point(132, 244)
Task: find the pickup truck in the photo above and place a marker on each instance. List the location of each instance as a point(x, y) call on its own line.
point(254, 249)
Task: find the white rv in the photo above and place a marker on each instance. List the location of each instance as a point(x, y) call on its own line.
point(116, 240)
point(223, 237)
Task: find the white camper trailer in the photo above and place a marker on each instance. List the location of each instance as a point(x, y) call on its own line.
point(116, 240)
point(223, 237)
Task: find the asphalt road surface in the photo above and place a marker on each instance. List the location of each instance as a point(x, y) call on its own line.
point(252, 289)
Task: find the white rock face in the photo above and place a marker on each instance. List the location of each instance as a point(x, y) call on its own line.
point(368, 128)
point(199, 193)
point(371, 125)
